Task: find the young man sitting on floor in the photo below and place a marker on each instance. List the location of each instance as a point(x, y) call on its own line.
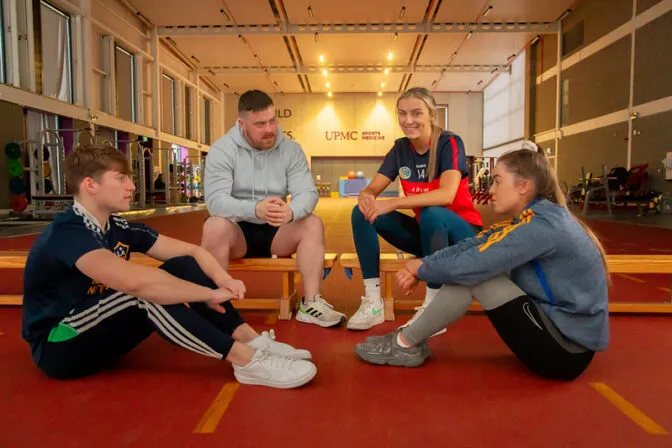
point(86, 305)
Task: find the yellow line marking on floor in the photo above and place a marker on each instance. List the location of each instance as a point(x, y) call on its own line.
point(629, 409)
point(214, 414)
point(660, 288)
point(630, 277)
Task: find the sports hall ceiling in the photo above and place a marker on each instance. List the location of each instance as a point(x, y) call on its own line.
point(365, 45)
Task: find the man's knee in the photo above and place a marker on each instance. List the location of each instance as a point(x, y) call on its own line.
point(178, 266)
point(187, 268)
point(217, 232)
point(313, 226)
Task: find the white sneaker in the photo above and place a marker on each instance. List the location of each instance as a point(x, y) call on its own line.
point(370, 313)
point(267, 369)
point(418, 311)
point(319, 312)
point(267, 343)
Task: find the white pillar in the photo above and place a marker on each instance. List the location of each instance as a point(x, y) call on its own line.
point(633, 32)
point(156, 83)
point(558, 99)
point(86, 36)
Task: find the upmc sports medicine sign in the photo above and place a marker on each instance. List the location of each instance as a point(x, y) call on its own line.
point(353, 135)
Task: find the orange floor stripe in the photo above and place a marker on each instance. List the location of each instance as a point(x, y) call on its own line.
point(630, 277)
point(214, 414)
point(660, 288)
point(629, 409)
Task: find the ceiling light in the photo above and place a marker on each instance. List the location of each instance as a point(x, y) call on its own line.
point(469, 34)
point(324, 72)
point(389, 56)
point(534, 41)
point(329, 94)
point(317, 37)
point(387, 71)
point(321, 58)
point(382, 84)
point(328, 85)
point(487, 11)
point(396, 36)
point(310, 12)
point(402, 13)
point(380, 93)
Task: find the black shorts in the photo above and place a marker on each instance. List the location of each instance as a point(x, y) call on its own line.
point(259, 238)
point(537, 342)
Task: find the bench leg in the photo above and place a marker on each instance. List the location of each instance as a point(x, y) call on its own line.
point(388, 300)
point(288, 296)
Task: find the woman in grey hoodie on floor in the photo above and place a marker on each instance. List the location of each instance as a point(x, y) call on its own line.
point(552, 307)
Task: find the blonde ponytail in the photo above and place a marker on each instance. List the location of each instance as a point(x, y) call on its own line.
point(534, 165)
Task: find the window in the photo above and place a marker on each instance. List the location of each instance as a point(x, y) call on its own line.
point(564, 92)
point(205, 120)
point(3, 69)
point(168, 104)
point(572, 39)
point(56, 49)
point(125, 83)
point(187, 112)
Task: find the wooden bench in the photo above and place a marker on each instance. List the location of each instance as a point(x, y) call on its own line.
point(286, 266)
point(618, 264)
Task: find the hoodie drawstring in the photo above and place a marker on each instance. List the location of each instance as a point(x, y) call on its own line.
point(252, 156)
point(266, 174)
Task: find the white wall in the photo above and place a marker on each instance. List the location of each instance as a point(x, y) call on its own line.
point(465, 118)
point(314, 114)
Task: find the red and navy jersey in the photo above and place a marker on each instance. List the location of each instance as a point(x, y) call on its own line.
point(411, 167)
point(53, 285)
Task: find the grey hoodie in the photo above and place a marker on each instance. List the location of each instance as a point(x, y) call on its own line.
point(238, 176)
point(549, 256)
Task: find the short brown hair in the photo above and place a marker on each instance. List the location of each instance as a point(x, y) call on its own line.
point(93, 161)
point(254, 101)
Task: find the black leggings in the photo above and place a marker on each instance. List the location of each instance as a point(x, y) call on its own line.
point(535, 340)
point(101, 330)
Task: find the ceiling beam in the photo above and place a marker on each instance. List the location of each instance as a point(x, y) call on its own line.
point(360, 28)
point(350, 69)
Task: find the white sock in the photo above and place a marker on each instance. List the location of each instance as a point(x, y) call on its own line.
point(429, 295)
point(400, 342)
point(372, 288)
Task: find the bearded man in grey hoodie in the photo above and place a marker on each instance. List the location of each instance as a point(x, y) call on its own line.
point(248, 174)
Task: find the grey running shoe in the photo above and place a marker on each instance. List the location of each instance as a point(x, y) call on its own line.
point(385, 350)
point(378, 338)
